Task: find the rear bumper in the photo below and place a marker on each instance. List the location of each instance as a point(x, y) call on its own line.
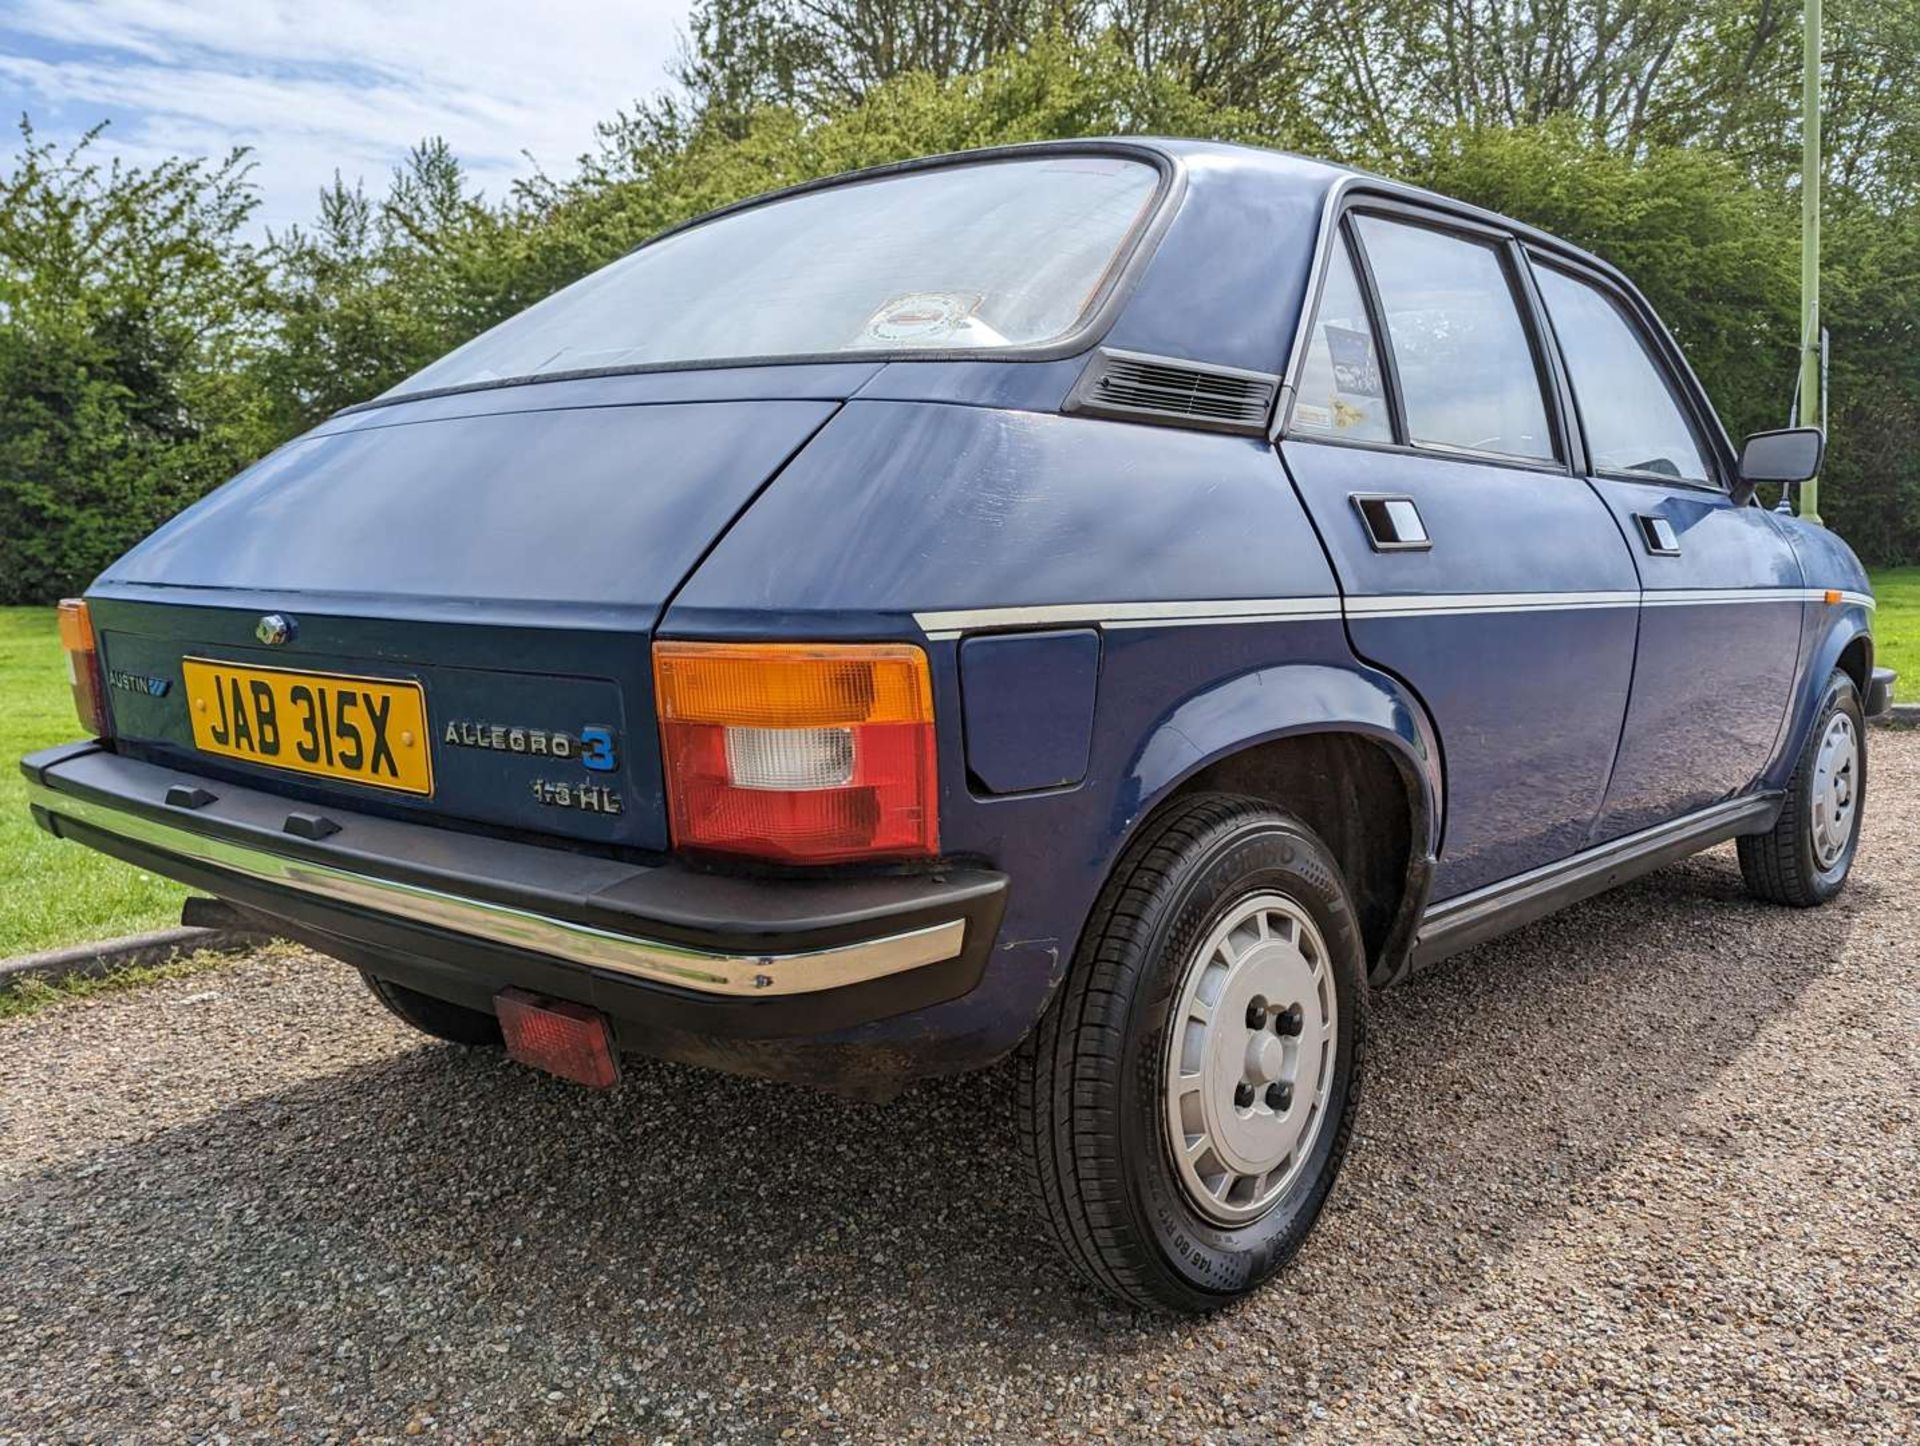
point(717, 969)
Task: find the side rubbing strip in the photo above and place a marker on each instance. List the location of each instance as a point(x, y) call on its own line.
point(952, 623)
point(1445, 604)
point(1714, 597)
point(1129, 615)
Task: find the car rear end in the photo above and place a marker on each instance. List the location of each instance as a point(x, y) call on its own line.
point(417, 719)
point(391, 796)
point(402, 688)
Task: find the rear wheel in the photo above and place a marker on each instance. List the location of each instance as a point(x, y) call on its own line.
point(1805, 858)
point(453, 1022)
point(1187, 1101)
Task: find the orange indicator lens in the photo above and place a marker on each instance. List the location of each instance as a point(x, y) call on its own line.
point(803, 753)
point(83, 666)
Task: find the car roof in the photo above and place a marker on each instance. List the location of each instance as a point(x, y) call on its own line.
point(1289, 170)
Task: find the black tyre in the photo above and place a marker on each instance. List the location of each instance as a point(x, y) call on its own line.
point(453, 1022)
point(1805, 858)
point(1187, 1101)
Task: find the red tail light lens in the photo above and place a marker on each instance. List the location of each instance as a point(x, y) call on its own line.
point(83, 667)
point(803, 753)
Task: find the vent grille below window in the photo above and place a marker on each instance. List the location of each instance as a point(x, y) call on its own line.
point(1127, 384)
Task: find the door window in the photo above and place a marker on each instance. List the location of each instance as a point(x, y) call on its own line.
point(1342, 390)
point(1631, 419)
point(1467, 373)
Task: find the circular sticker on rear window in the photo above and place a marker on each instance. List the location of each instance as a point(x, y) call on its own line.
point(922, 316)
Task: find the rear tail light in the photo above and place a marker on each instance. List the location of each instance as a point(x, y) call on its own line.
point(798, 752)
point(83, 667)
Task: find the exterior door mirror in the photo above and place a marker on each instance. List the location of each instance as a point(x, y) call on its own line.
point(1790, 455)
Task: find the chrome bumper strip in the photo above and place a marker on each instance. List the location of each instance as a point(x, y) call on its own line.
point(757, 976)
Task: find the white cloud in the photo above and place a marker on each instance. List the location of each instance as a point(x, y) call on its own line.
point(336, 84)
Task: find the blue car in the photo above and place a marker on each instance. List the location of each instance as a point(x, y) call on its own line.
point(1122, 602)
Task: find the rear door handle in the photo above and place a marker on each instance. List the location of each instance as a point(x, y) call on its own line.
point(1393, 523)
point(1658, 534)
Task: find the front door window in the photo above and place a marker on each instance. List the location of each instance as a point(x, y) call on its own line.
point(1633, 424)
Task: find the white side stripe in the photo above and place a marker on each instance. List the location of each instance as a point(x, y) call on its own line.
point(1192, 613)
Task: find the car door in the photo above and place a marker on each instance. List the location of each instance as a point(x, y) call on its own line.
point(1426, 437)
point(1721, 613)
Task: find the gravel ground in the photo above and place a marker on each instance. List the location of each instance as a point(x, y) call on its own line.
point(1650, 1169)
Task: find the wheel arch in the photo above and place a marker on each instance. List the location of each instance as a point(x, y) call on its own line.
point(1855, 659)
point(1846, 644)
point(1345, 749)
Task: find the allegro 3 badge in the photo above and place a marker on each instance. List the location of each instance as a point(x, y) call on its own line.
point(594, 747)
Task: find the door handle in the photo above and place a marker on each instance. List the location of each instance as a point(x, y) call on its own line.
point(1393, 523)
point(1658, 534)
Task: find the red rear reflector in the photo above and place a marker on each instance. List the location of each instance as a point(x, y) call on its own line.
point(558, 1036)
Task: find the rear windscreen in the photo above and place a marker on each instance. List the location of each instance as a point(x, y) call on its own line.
point(995, 254)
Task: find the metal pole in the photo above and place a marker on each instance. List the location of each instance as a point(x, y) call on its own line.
point(1826, 371)
point(1810, 378)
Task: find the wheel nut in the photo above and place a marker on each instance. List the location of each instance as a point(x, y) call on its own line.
point(1279, 1097)
point(1288, 1020)
point(1256, 1016)
point(1243, 1095)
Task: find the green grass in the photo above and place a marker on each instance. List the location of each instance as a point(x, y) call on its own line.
point(1896, 627)
point(54, 893)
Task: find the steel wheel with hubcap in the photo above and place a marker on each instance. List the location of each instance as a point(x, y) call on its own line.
point(1249, 1058)
point(1187, 1101)
point(1804, 859)
point(1835, 789)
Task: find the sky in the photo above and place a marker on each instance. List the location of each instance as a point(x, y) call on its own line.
point(330, 85)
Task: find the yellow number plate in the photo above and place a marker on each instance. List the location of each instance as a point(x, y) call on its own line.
point(367, 730)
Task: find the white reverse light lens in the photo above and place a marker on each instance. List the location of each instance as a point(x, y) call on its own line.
point(790, 760)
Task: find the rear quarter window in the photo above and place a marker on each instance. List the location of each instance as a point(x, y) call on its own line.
point(1343, 390)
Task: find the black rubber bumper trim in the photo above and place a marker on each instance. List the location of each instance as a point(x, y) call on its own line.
point(669, 903)
point(1879, 699)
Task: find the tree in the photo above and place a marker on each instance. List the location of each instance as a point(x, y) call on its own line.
point(128, 308)
point(373, 291)
point(816, 56)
